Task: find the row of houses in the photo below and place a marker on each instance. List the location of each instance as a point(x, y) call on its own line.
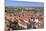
point(26, 19)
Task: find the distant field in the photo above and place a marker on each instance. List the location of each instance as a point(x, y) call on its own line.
point(29, 8)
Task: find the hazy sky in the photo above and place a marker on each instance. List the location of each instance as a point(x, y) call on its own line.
point(23, 3)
